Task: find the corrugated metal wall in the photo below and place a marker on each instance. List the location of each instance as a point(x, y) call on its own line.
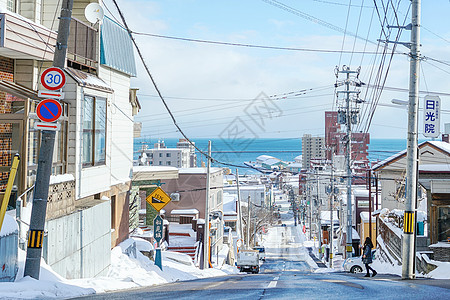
point(9, 256)
point(79, 245)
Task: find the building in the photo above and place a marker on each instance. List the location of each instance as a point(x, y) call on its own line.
point(181, 157)
point(93, 149)
point(188, 194)
point(312, 148)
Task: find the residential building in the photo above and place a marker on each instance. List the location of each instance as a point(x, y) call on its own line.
point(93, 151)
point(181, 157)
point(312, 148)
point(188, 192)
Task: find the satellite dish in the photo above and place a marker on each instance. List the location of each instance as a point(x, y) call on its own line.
point(93, 13)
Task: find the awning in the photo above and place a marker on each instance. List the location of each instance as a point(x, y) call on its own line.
point(89, 80)
point(18, 90)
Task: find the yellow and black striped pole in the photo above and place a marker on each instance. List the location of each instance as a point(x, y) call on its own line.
point(408, 222)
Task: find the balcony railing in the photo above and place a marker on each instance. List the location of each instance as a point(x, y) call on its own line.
point(82, 44)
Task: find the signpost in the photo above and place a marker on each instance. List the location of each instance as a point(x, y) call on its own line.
point(49, 110)
point(53, 79)
point(431, 116)
point(158, 199)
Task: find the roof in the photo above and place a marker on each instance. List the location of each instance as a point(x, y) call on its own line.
point(197, 170)
point(441, 146)
point(88, 80)
point(154, 172)
point(116, 48)
point(190, 211)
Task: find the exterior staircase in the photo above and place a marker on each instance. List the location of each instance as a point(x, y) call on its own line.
point(189, 250)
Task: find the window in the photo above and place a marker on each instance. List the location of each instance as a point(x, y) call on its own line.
point(94, 131)
point(160, 163)
point(168, 163)
point(160, 155)
point(167, 154)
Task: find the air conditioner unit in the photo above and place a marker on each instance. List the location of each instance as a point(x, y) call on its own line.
point(175, 196)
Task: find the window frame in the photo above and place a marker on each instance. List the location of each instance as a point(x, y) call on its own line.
point(92, 132)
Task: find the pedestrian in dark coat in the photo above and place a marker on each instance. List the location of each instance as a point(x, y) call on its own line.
point(367, 257)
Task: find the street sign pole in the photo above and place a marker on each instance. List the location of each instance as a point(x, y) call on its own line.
point(158, 227)
point(38, 212)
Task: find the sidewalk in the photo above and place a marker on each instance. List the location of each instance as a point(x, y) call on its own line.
point(319, 263)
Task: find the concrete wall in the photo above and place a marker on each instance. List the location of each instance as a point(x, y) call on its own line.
point(78, 245)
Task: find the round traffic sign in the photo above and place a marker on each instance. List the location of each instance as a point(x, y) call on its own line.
point(48, 110)
point(53, 79)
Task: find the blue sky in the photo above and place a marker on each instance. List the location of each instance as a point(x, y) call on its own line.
point(208, 86)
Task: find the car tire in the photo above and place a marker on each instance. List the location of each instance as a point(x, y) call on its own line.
point(356, 269)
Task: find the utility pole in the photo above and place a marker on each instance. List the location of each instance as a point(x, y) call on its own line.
point(369, 178)
point(206, 234)
point(40, 196)
point(319, 221)
point(348, 118)
point(241, 231)
point(248, 222)
point(408, 249)
point(330, 235)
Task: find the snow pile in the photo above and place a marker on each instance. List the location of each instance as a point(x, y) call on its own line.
point(125, 272)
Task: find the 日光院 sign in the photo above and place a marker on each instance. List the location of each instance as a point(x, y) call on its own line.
point(431, 116)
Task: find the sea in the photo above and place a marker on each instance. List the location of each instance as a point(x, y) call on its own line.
point(234, 152)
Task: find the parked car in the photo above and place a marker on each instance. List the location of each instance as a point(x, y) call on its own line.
point(262, 253)
point(355, 264)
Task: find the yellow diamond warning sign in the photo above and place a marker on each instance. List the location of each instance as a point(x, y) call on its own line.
point(158, 199)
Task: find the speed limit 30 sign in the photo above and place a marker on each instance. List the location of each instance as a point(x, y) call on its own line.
point(53, 79)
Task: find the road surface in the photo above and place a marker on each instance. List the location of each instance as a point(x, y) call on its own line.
point(288, 273)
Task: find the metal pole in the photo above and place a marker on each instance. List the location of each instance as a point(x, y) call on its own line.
point(370, 203)
point(310, 211)
point(330, 235)
point(408, 268)
point(248, 223)
point(319, 221)
point(241, 231)
point(206, 234)
point(349, 247)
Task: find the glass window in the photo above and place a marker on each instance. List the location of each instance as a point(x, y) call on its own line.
point(443, 223)
point(167, 154)
point(94, 131)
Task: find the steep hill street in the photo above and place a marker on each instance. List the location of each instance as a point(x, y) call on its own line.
point(289, 273)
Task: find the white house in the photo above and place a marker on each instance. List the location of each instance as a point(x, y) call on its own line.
point(87, 210)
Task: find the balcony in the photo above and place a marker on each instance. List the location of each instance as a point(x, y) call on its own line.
point(82, 46)
point(23, 39)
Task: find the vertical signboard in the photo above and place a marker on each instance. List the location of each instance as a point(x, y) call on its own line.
point(431, 116)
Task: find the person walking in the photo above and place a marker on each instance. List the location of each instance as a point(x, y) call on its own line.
point(367, 257)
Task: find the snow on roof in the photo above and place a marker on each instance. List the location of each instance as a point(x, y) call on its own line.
point(361, 193)
point(229, 203)
point(325, 216)
point(9, 225)
point(444, 146)
point(197, 170)
point(153, 169)
point(435, 168)
point(190, 211)
point(365, 216)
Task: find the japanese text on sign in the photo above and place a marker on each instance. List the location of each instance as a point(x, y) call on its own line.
point(431, 116)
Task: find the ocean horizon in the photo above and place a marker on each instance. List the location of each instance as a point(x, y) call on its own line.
point(237, 151)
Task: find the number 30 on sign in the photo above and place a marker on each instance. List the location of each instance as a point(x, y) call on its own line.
point(53, 79)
